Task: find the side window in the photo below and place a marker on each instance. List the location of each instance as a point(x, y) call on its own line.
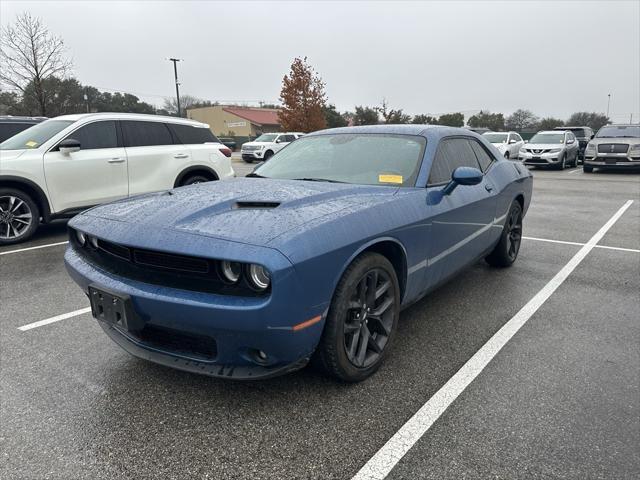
point(484, 159)
point(190, 135)
point(96, 135)
point(517, 137)
point(451, 154)
point(143, 134)
point(289, 138)
point(279, 139)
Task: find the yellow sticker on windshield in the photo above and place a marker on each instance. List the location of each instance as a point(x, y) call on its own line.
point(390, 178)
point(31, 143)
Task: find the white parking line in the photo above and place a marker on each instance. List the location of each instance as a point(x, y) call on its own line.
point(33, 248)
point(622, 249)
point(576, 170)
point(57, 318)
point(379, 466)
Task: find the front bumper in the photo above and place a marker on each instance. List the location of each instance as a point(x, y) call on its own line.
point(541, 159)
point(239, 327)
point(612, 160)
point(252, 154)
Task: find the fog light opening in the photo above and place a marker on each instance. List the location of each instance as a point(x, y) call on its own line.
point(259, 356)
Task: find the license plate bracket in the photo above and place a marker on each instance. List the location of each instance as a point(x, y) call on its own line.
point(114, 309)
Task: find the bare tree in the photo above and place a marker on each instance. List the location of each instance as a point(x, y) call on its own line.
point(30, 55)
point(186, 102)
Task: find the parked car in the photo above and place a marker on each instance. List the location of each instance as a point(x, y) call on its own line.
point(507, 143)
point(266, 145)
point(583, 135)
point(64, 165)
point(550, 149)
point(614, 147)
point(10, 125)
point(314, 255)
point(230, 143)
point(478, 130)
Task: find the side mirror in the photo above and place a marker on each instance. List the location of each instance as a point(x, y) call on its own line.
point(69, 146)
point(593, 135)
point(526, 141)
point(279, 140)
point(569, 142)
point(463, 176)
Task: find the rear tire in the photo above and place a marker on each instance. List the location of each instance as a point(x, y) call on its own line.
point(362, 320)
point(506, 251)
point(19, 216)
point(506, 155)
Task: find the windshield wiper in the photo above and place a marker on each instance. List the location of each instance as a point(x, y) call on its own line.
point(312, 179)
point(255, 175)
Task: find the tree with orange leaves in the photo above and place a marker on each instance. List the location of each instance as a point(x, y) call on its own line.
point(303, 99)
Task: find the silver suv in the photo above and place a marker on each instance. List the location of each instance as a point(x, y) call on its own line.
point(551, 149)
point(614, 146)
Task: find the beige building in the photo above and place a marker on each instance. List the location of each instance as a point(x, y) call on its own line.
point(238, 121)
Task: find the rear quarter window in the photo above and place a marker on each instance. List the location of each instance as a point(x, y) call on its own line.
point(190, 135)
point(144, 134)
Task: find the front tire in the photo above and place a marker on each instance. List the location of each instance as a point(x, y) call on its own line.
point(362, 320)
point(194, 179)
point(506, 251)
point(563, 163)
point(586, 169)
point(19, 216)
point(267, 155)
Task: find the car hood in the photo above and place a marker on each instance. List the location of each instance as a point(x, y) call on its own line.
point(543, 146)
point(7, 155)
point(247, 210)
point(627, 141)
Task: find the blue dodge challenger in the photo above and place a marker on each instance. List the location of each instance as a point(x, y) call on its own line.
point(311, 258)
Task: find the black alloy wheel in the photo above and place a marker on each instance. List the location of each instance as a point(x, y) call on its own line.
point(361, 321)
point(506, 251)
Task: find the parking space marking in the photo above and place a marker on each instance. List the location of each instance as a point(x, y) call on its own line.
point(33, 248)
point(385, 459)
point(576, 170)
point(607, 247)
point(57, 318)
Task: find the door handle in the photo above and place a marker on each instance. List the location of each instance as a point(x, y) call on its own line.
point(116, 160)
point(488, 187)
point(181, 155)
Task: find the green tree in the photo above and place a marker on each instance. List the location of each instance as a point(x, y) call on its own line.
point(521, 119)
point(423, 119)
point(334, 118)
point(10, 104)
point(549, 123)
point(392, 116)
point(588, 119)
point(451, 119)
point(492, 121)
point(365, 116)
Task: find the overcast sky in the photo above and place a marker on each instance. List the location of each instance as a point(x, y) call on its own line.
point(551, 57)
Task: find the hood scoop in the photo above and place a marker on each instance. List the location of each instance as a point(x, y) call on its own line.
point(255, 205)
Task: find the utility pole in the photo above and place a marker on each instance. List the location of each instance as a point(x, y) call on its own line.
point(608, 104)
point(175, 72)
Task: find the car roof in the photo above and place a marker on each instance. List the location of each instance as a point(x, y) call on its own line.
point(131, 116)
point(404, 129)
point(569, 128)
point(552, 131)
point(623, 125)
point(12, 119)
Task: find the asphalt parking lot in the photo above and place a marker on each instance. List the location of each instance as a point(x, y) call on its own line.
point(560, 400)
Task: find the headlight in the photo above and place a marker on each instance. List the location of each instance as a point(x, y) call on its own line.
point(523, 150)
point(259, 277)
point(231, 271)
point(592, 148)
point(633, 148)
point(81, 237)
point(555, 150)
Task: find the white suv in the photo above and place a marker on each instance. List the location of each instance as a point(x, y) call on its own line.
point(64, 165)
point(266, 145)
point(507, 143)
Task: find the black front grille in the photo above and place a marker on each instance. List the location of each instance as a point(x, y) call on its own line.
point(178, 342)
point(538, 151)
point(160, 268)
point(613, 148)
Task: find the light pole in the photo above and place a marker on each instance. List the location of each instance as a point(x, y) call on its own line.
point(608, 104)
point(175, 72)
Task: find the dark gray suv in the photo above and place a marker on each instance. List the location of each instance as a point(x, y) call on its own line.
point(583, 135)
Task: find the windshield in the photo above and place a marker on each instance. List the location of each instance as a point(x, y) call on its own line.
point(547, 138)
point(35, 136)
point(578, 132)
point(496, 137)
point(267, 137)
point(621, 131)
point(365, 159)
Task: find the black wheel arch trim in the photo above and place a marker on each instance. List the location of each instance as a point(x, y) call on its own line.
point(193, 169)
point(41, 199)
